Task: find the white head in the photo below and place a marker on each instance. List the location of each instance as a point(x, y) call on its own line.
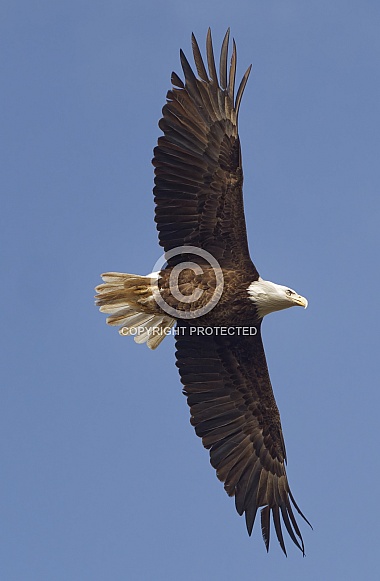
point(269, 297)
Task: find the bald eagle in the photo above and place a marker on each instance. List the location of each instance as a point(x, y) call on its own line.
point(210, 293)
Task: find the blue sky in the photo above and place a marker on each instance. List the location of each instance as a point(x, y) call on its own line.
point(102, 476)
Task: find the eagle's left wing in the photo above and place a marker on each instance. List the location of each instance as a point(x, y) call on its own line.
point(233, 410)
point(198, 168)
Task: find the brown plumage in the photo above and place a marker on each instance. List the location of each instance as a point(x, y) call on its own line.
point(199, 178)
point(199, 203)
point(233, 410)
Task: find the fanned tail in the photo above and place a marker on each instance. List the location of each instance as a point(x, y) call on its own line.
point(129, 302)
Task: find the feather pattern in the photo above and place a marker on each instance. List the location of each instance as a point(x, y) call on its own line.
point(233, 410)
point(198, 162)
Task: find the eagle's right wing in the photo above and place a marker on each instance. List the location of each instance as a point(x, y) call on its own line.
point(233, 410)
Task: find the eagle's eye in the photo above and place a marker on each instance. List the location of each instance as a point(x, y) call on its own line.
point(289, 292)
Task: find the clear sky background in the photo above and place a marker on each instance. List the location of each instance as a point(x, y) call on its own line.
point(101, 474)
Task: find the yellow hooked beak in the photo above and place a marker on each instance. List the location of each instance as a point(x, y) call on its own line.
point(301, 301)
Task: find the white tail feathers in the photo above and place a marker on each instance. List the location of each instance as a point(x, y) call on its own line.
point(128, 299)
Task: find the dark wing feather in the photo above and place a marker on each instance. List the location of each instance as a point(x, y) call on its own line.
point(233, 410)
point(198, 169)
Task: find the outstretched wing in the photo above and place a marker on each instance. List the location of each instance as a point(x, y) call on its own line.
point(233, 410)
point(198, 169)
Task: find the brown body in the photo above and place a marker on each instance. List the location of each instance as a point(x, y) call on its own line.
point(234, 306)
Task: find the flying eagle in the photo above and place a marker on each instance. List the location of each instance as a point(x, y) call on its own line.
point(210, 290)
